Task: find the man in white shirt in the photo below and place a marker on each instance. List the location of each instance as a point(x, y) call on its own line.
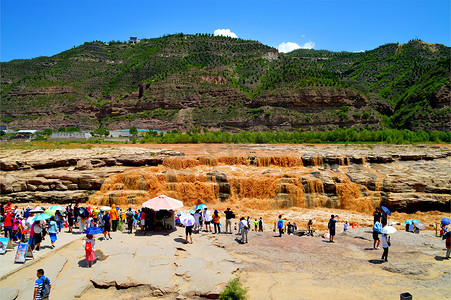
point(207, 218)
point(245, 229)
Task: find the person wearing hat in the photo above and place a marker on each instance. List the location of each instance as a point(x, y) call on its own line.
point(216, 221)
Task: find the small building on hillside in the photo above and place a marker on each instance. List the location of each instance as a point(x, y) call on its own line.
point(120, 133)
point(133, 40)
point(70, 136)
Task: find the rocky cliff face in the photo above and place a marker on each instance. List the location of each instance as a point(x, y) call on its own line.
point(354, 179)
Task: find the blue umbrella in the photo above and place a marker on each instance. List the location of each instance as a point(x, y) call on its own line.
point(93, 230)
point(56, 207)
point(386, 210)
point(445, 221)
point(191, 211)
point(41, 217)
point(408, 221)
point(415, 221)
point(201, 206)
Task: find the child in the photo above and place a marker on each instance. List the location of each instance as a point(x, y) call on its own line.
point(310, 227)
point(345, 226)
point(89, 244)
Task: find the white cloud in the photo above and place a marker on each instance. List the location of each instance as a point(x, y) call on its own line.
point(289, 46)
point(225, 32)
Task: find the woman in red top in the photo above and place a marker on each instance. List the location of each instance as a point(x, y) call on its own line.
point(8, 225)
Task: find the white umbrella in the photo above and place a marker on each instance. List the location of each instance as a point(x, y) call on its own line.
point(103, 208)
point(420, 226)
point(388, 230)
point(37, 210)
point(186, 219)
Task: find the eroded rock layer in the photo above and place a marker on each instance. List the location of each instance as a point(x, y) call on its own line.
point(403, 181)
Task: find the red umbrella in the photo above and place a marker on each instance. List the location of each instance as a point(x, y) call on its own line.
point(163, 202)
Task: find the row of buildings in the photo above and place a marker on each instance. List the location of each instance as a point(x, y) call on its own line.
point(120, 134)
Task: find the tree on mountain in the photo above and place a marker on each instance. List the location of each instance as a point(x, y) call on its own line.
point(133, 131)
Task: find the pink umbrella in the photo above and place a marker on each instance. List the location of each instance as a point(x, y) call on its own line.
point(163, 202)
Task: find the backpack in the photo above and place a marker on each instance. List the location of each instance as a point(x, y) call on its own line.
point(45, 290)
point(88, 247)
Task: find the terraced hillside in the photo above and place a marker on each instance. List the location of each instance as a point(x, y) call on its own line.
point(201, 81)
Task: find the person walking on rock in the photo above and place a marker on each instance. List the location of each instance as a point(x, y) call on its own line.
point(207, 218)
point(376, 230)
point(280, 225)
point(244, 230)
point(42, 286)
point(53, 231)
point(229, 216)
point(331, 225)
point(260, 225)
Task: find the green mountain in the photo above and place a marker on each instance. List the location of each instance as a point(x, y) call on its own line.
point(193, 81)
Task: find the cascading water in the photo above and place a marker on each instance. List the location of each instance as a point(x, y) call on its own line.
point(267, 182)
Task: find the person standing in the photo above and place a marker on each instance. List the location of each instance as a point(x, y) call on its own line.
point(8, 225)
point(89, 244)
point(447, 238)
point(37, 235)
point(59, 220)
point(384, 219)
point(255, 225)
point(70, 219)
point(385, 245)
point(280, 225)
point(217, 221)
point(129, 216)
point(53, 231)
point(331, 225)
point(377, 215)
point(260, 225)
point(143, 220)
point(114, 217)
point(189, 232)
point(197, 216)
point(42, 286)
point(106, 225)
point(310, 227)
point(376, 230)
point(207, 218)
point(244, 230)
point(76, 215)
point(229, 216)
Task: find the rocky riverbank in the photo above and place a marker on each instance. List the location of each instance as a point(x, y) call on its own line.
point(356, 177)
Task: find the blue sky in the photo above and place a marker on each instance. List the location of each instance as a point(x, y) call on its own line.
point(43, 28)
